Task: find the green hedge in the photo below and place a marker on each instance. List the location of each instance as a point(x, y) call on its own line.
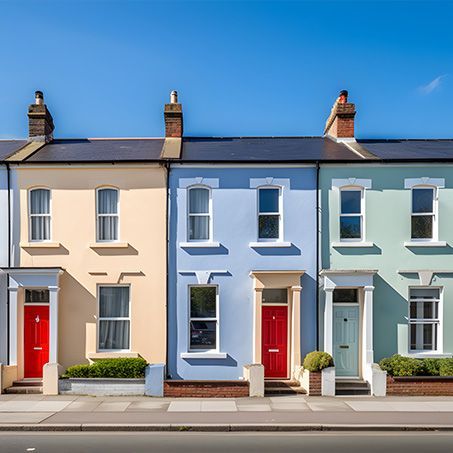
point(109, 368)
point(398, 365)
point(317, 361)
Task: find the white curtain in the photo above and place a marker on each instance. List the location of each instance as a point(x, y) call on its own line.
point(199, 214)
point(108, 215)
point(40, 214)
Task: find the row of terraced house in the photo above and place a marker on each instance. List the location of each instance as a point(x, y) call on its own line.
point(207, 254)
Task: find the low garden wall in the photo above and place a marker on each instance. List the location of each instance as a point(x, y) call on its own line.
point(102, 386)
point(420, 385)
point(206, 389)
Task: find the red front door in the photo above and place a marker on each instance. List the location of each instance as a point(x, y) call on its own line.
point(36, 339)
point(274, 345)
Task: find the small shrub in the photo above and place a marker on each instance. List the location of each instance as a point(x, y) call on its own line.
point(126, 368)
point(446, 367)
point(317, 361)
point(431, 367)
point(398, 365)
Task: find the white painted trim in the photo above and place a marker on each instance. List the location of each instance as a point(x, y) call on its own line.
point(425, 244)
point(30, 215)
point(39, 245)
point(340, 183)
point(199, 244)
point(203, 277)
point(209, 213)
point(203, 355)
point(117, 215)
point(270, 181)
point(280, 212)
point(409, 183)
point(257, 165)
point(201, 181)
point(351, 244)
point(270, 244)
point(53, 323)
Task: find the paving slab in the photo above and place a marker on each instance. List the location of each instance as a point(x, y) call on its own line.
point(185, 406)
point(82, 406)
point(147, 406)
point(254, 407)
point(332, 406)
point(24, 418)
point(290, 407)
point(112, 406)
point(218, 406)
point(33, 406)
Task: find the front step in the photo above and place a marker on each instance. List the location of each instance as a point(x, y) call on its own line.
point(352, 387)
point(26, 386)
point(282, 387)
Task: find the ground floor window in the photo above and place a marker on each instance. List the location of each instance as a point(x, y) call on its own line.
point(114, 318)
point(424, 320)
point(203, 322)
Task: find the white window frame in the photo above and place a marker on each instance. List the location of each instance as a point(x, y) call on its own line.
point(434, 214)
point(30, 215)
point(217, 319)
point(99, 319)
point(352, 188)
point(98, 215)
point(279, 213)
point(209, 214)
point(438, 321)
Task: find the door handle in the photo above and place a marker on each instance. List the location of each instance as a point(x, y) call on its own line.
point(344, 346)
point(37, 349)
point(273, 350)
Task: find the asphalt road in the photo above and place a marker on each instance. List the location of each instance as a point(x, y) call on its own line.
point(226, 442)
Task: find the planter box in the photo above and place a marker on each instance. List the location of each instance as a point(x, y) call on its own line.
point(311, 382)
point(420, 385)
point(101, 386)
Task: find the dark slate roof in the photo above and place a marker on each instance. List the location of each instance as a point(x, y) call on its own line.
point(8, 147)
point(99, 150)
point(264, 149)
point(410, 149)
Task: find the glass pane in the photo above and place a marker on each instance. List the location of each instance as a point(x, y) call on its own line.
point(345, 295)
point(199, 227)
point(108, 228)
point(113, 334)
point(199, 201)
point(203, 301)
point(413, 310)
point(428, 337)
point(108, 201)
point(37, 296)
point(422, 227)
point(350, 227)
point(351, 201)
point(40, 201)
point(269, 200)
point(40, 228)
point(413, 338)
point(113, 301)
point(425, 293)
point(203, 334)
point(428, 310)
point(422, 200)
point(275, 296)
point(268, 226)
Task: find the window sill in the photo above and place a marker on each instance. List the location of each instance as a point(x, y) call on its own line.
point(112, 355)
point(352, 244)
point(197, 245)
point(425, 244)
point(278, 244)
point(40, 245)
point(109, 245)
point(203, 355)
point(427, 355)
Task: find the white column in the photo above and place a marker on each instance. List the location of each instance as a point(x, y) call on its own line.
point(13, 327)
point(295, 329)
point(53, 324)
point(328, 321)
point(367, 341)
point(258, 299)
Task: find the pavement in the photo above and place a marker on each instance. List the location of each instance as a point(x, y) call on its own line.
point(279, 413)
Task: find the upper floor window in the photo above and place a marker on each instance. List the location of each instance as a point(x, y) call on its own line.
point(107, 215)
point(424, 319)
point(39, 214)
point(199, 214)
point(269, 214)
point(351, 214)
point(423, 220)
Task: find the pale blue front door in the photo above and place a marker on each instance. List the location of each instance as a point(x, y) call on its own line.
point(346, 340)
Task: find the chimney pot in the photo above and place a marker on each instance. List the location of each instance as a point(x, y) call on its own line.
point(39, 98)
point(174, 97)
point(343, 96)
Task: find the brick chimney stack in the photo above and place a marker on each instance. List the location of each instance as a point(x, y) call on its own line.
point(173, 117)
point(340, 124)
point(40, 121)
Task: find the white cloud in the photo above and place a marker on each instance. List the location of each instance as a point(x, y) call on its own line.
point(431, 86)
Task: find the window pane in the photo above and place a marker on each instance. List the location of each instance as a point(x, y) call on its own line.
point(350, 227)
point(113, 334)
point(40, 228)
point(275, 296)
point(351, 201)
point(107, 201)
point(108, 228)
point(345, 295)
point(268, 226)
point(203, 302)
point(425, 293)
point(269, 200)
point(198, 201)
point(203, 334)
point(199, 227)
point(428, 331)
point(422, 200)
point(40, 201)
point(422, 227)
point(37, 296)
point(114, 301)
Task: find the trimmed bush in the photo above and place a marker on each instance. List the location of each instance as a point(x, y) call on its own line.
point(446, 367)
point(431, 366)
point(398, 365)
point(317, 361)
point(125, 368)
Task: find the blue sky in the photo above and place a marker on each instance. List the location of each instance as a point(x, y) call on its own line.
point(241, 68)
